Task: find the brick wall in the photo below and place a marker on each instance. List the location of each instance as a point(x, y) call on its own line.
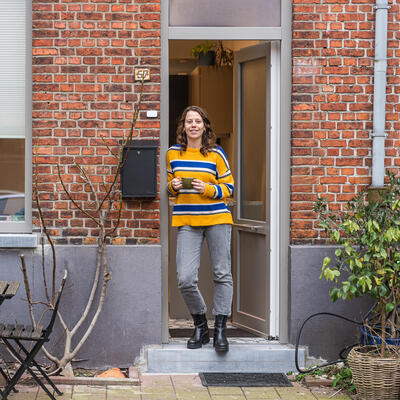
point(84, 55)
point(332, 101)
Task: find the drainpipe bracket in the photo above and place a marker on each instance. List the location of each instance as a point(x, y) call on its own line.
point(379, 134)
point(382, 7)
point(380, 65)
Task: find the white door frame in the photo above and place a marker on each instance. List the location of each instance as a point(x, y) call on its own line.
point(280, 128)
point(274, 195)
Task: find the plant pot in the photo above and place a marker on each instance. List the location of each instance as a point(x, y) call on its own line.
point(374, 377)
point(207, 59)
point(368, 338)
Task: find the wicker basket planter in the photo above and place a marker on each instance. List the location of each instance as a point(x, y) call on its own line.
point(375, 378)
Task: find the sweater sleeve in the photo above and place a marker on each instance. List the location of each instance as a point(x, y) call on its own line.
point(171, 191)
point(225, 185)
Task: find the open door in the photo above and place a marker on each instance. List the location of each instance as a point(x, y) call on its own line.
point(251, 241)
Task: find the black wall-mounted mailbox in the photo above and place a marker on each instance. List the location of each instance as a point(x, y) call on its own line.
point(139, 173)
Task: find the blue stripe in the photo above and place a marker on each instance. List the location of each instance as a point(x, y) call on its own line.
point(219, 192)
point(219, 151)
point(175, 147)
point(230, 187)
point(193, 164)
point(199, 207)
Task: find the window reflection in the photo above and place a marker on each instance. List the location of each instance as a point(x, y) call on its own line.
point(12, 180)
point(253, 140)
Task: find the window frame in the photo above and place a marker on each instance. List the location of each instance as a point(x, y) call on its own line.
point(26, 225)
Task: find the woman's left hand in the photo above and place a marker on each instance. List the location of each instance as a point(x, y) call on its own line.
point(199, 185)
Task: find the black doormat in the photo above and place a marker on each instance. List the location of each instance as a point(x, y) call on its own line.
point(243, 379)
point(230, 332)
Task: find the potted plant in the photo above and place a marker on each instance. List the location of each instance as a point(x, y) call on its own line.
point(368, 263)
point(204, 53)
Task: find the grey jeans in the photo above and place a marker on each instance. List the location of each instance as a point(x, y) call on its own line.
point(190, 240)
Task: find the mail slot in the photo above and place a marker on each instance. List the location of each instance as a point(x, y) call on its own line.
point(139, 173)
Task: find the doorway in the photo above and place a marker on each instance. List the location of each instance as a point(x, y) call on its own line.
point(238, 101)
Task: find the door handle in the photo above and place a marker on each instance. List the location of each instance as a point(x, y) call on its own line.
point(253, 228)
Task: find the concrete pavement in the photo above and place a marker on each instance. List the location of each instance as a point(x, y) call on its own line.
point(175, 387)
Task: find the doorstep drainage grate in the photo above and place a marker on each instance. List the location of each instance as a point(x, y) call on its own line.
point(243, 379)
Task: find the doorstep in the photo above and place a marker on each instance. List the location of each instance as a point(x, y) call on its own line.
point(268, 356)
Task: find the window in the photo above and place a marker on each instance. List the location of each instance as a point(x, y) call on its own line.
point(246, 13)
point(15, 116)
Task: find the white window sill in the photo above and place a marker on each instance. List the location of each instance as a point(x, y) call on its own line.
point(18, 240)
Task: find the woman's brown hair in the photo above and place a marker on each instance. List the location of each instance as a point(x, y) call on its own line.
point(208, 138)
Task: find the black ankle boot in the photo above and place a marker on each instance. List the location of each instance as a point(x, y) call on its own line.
point(200, 335)
point(220, 342)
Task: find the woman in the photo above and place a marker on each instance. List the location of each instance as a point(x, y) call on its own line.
point(200, 211)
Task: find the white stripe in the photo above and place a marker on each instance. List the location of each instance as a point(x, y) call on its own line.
point(218, 151)
point(210, 171)
point(227, 173)
point(200, 212)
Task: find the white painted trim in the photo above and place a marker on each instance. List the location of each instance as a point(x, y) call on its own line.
point(18, 241)
point(224, 33)
point(26, 225)
point(274, 195)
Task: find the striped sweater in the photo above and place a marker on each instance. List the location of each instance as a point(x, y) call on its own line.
point(191, 207)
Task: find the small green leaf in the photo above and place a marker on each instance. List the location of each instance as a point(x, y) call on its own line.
point(336, 235)
point(389, 307)
point(327, 261)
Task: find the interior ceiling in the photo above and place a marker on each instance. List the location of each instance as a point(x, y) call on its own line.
point(182, 63)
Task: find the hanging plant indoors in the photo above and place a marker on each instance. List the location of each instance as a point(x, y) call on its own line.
point(223, 56)
point(368, 263)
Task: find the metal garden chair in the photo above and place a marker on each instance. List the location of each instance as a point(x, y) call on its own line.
point(13, 336)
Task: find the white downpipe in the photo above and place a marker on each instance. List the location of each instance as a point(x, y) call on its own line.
point(379, 115)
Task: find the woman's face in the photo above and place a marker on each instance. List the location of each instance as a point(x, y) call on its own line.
point(194, 128)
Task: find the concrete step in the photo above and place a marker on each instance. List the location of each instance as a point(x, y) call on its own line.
point(253, 357)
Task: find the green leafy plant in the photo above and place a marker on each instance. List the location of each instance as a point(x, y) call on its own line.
point(368, 254)
point(340, 375)
point(344, 379)
point(202, 48)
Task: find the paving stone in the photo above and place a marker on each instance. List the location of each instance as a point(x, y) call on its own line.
point(122, 393)
point(326, 396)
point(193, 395)
point(89, 389)
point(158, 396)
point(192, 389)
point(81, 392)
point(22, 396)
point(295, 393)
point(266, 393)
point(228, 397)
point(166, 390)
point(64, 396)
point(214, 390)
point(66, 390)
point(186, 380)
point(155, 380)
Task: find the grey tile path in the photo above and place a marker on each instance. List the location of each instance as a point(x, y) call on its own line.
point(175, 387)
